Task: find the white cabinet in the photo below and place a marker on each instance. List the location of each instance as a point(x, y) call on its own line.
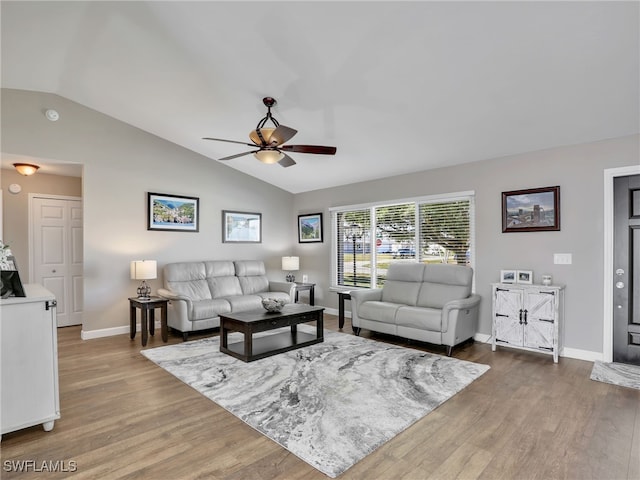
point(28, 360)
point(527, 317)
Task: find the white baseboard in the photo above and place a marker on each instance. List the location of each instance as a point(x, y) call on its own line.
point(109, 332)
point(581, 354)
point(482, 338)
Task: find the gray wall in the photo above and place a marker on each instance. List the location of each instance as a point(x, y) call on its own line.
point(123, 163)
point(579, 172)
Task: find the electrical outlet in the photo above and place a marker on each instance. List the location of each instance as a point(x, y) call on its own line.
point(562, 258)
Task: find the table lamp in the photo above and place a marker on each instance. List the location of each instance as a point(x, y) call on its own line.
point(144, 270)
point(290, 264)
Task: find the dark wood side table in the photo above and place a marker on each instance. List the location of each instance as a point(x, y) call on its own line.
point(147, 308)
point(342, 296)
point(306, 286)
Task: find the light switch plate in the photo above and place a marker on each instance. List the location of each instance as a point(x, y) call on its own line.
point(562, 258)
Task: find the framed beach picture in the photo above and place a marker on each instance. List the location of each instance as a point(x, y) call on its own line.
point(172, 212)
point(532, 210)
point(508, 276)
point(241, 227)
point(310, 228)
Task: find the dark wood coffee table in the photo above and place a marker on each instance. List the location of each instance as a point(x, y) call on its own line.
point(255, 321)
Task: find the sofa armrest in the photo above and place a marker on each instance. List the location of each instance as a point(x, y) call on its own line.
point(472, 302)
point(286, 287)
point(169, 295)
point(358, 297)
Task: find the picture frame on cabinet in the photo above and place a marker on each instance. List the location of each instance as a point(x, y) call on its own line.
point(508, 276)
point(525, 276)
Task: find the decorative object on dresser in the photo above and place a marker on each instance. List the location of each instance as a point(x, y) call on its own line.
point(172, 212)
point(290, 264)
point(528, 317)
point(531, 210)
point(323, 403)
point(144, 270)
point(29, 393)
point(310, 228)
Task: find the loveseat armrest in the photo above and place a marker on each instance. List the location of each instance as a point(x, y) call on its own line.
point(365, 295)
point(449, 310)
point(286, 287)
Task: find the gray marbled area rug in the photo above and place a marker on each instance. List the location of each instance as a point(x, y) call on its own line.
point(332, 403)
point(616, 374)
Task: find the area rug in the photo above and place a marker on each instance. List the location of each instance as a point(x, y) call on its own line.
point(616, 374)
point(332, 403)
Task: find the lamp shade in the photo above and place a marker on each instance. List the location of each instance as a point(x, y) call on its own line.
point(290, 263)
point(144, 269)
point(26, 169)
point(269, 156)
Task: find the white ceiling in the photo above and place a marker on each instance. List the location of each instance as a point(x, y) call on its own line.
point(397, 87)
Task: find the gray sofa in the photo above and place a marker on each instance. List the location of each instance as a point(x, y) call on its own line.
point(198, 292)
point(429, 303)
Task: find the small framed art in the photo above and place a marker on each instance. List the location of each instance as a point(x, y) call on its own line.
point(310, 228)
point(525, 276)
point(532, 210)
point(172, 212)
point(241, 227)
point(508, 276)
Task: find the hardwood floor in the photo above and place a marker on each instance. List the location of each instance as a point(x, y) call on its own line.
point(526, 418)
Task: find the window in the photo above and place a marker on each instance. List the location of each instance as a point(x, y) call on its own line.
point(368, 238)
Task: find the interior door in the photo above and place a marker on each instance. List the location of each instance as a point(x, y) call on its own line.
point(626, 265)
point(508, 305)
point(57, 254)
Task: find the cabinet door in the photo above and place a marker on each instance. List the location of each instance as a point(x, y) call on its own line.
point(508, 326)
point(540, 312)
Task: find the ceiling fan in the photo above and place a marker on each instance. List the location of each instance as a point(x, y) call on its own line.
point(270, 141)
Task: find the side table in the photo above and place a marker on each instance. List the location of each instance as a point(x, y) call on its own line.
point(342, 296)
point(147, 308)
point(306, 286)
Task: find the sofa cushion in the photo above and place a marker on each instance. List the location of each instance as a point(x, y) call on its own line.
point(248, 268)
point(240, 303)
point(443, 283)
point(420, 317)
point(402, 283)
point(209, 308)
point(187, 278)
point(379, 311)
point(224, 286)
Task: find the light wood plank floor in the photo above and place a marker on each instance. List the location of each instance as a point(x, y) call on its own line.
point(526, 418)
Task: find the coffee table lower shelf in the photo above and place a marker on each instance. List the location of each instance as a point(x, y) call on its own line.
point(271, 345)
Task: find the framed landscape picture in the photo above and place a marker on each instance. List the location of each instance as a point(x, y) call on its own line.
point(532, 210)
point(310, 228)
point(172, 212)
point(241, 227)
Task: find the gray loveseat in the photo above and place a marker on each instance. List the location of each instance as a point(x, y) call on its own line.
point(429, 303)
point(198, 292)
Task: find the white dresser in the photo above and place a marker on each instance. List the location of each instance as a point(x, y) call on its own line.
point(28, 360)
point(527, 317)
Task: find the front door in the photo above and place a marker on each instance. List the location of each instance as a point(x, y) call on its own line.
point(57, 253)
point(626, 278)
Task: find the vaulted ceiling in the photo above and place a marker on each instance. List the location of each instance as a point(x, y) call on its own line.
point(397, 87)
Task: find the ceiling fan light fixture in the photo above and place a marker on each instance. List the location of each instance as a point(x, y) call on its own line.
point(269, 156)
point(26, 169)
point(266, 134)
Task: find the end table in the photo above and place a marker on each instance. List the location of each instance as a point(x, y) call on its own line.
point(147, 308)
point(306, 286)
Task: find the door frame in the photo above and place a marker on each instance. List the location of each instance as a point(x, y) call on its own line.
point(609, 175)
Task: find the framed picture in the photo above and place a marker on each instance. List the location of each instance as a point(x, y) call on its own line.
point(241, 227)
point(310, 228)
point(172, 212)
point(532, 210)
point(525, 276)
point(508, 276)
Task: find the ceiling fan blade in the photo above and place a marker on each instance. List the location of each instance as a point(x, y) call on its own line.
point(287, 161)
point(281, 134)
point(228, 141)
point(231, 157)
point(309, 149)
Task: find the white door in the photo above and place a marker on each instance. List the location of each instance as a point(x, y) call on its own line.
point(57, 253)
